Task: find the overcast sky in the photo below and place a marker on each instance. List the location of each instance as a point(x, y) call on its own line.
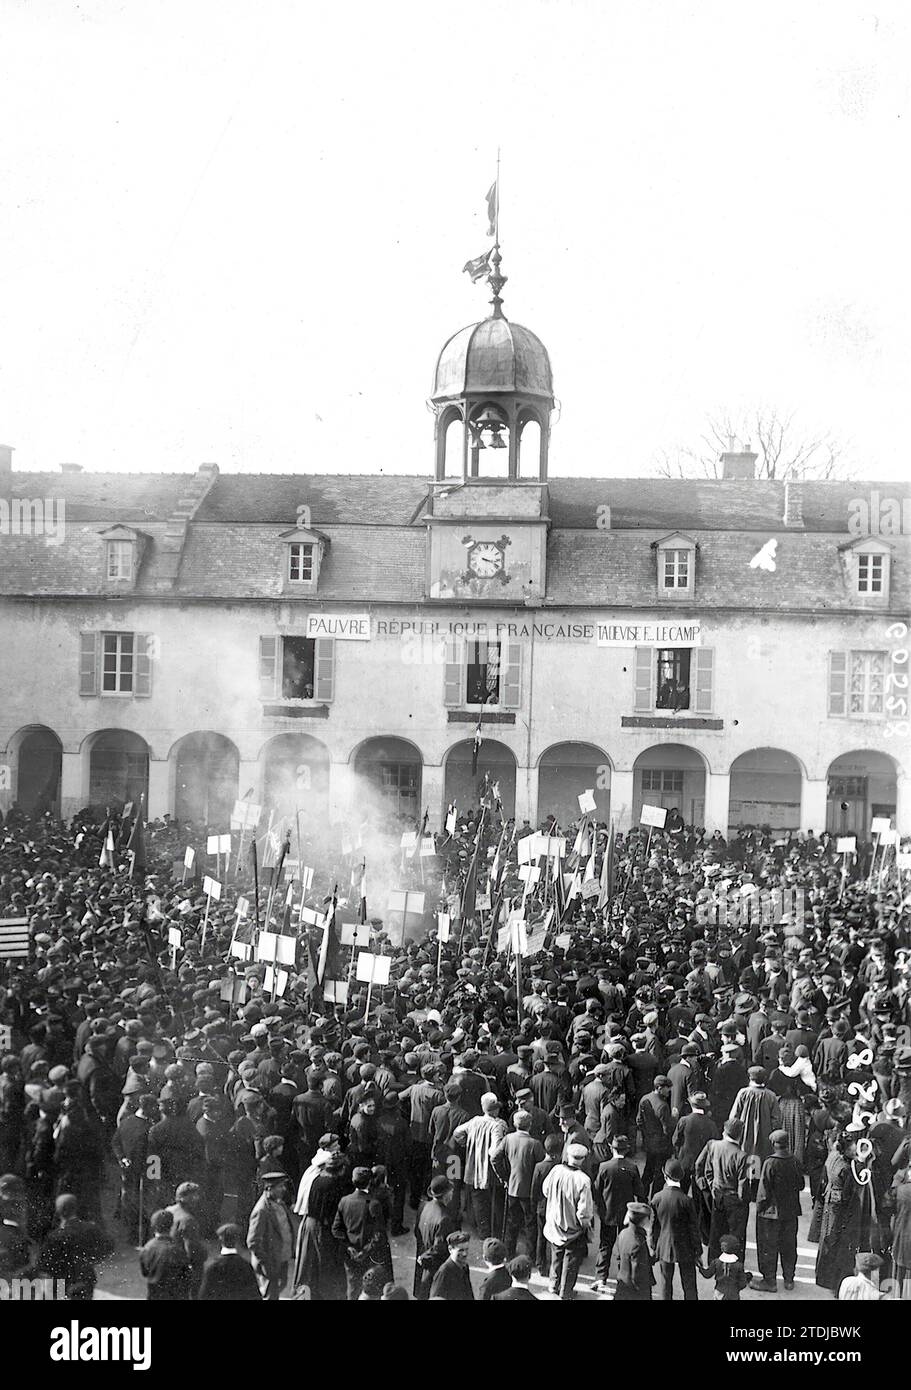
point(233, 230)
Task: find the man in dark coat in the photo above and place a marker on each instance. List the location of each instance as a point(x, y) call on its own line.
point(675, 1238)
point(656, 1125)
point(520, 1270)
point(634, 1261)
point(777, 1213)
point(722, 1174)
point(360, 1226)
point(434, 1225)
point(452, 1280)
point(228, 1277)
point(617, 1184)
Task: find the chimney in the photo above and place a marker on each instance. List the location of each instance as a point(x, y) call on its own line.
point(71, 468)
point(738, 465)
point(793, 504)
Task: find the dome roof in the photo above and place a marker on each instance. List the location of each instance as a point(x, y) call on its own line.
point(493, 356)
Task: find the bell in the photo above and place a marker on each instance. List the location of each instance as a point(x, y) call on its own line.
point(496, 439)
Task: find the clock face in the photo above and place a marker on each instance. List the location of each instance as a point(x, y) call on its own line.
point(485, 559)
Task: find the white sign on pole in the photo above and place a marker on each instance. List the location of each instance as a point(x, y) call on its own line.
point(846, 844)
point(903, 859)
point(212, 887)
point(890, 837)
point(654, 816)
point(373, 969)
point(275, 983)
point(242, 950)
point(524, 849)
point(482, 902)
point(286, 950)
point(451, 820)
point(587, 801)
point(335, 991)
point(428, 846)
point(243, 908)
point(266, 946)
point(355, 934)
point(189, 855)
point(306, 877)
point(404, 900)
point(312, 918)
point(444, 923)
point(245, 815)
point(175, 936)
point(503, 935)
point(518, 935)
point(880, 824)
point(212, 845)
point(409, 839)
point(564, 940)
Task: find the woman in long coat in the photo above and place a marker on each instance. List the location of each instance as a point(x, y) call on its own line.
point(842, 1222)
point(901, 1234)
point(318, 1262)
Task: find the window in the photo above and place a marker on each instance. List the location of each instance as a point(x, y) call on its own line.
point(675, 569)
point(658, 779)
point(117, 663)
point(120, 559)
point(298, 662)
point(297, 668)
point(675, 679)
point(870, 574)
point(673, 688)
point(482, 673)
point(857, 683)
point(866, 682)
point(300, 562)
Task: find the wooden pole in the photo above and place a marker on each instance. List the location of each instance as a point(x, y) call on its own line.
point(205, 923)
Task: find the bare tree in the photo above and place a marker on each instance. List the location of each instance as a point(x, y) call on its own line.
point(784, 451)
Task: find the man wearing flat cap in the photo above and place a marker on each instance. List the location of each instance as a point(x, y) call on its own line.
point(634, 1261)
point(675, 1235)
point(452, 1280)
point(569, 1217)
point(270, 1237)
point(777, 1213)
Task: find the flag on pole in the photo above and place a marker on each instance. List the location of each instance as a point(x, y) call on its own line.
point(477, 268)
point(106, 861)
point(492, 198)
point(476, 746)
point(137, 843)
point(359, 884)
point(329, 946)
point(607, 872)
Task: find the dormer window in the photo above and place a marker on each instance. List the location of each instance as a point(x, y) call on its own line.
point(676, 569)
point(300, 562)
point(867, 562)
point(303, 552)
point(123, 551)
point(120, 560)
point(676, 565)
point(870, 574)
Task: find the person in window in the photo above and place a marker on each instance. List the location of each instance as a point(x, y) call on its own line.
point(680, 698)
point(666, 694)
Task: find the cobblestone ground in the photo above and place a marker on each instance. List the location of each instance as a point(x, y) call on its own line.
point(119, 1277)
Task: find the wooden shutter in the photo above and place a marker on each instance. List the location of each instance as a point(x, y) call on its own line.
point(88, 663)
point(268, 667)
point(838, 682)
point(512, 675)
point(453, 673)
point(703, 659)
point(324, 669)
point(142, 659)
point(646, 660)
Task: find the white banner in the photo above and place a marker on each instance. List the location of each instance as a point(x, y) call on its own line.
point(653, 815)
point(371, 968)
point(345, 626)
point(621, 633)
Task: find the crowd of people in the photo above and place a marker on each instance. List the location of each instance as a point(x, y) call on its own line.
point(711, 1043)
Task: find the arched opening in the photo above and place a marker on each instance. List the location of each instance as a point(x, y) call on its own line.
point(118, 769)
point(670, 775)
point(765, 789)
point(39, 760)
point(861, 785)
point(565, 772)
point(389, 780)
point(296, 778)
point(206, 779)
point(488, 444)
point(452, 444)
point(463, 786)
point(530, 440)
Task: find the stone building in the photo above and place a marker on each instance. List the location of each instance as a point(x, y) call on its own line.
point(735, 647)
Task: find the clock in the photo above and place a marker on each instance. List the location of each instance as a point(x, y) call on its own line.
point(486, 559)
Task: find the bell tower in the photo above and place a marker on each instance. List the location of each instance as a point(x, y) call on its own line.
point(493, 398)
